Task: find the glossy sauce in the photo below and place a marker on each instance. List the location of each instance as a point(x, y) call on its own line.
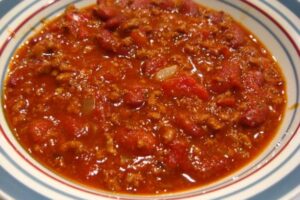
point(144, 96)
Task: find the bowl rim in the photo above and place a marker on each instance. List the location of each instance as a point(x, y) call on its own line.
point(252, 4)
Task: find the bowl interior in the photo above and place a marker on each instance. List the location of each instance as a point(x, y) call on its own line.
point(20, 27)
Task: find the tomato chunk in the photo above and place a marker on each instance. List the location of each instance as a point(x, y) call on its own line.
point(133, 140)
point(135, 97)
point(109, 42)
point(167, 4)
point(226, 101)
point(152, 65)
point(38, 129)
point(139, 37)
point(188, 7)
point(99, 1)
point(73, 127)
point(178, 155)
point(228, 77)
point(141, 4)
point(76, 23)
point(184, 86)
point(106, 12)
point(216, 17)
point(255, 116)
point(253, 81)
point(236, 36)
point(17, 76)
point(114, 22)
point(187, 125)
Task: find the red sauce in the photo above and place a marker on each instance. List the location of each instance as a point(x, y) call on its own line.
point(144, 96)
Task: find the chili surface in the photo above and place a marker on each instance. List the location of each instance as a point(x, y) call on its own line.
point(144, 96)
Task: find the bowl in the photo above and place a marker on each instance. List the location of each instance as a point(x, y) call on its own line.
point(278, 31)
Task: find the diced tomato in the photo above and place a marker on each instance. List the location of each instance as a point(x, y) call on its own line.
point(109, 42)
point(135, 97)
point(184, 86)
point(178, 155)
point(229, 76)
point(139, 37)
point(205, 34)
point(141, 4)
point(220, 85)
point(113, 17)
point(226, 101)
point(109, 76)
point(73, 127)
point(114, 22)
point(225, 51)
point(238, 35)
point(216, 17)
point(72, 15)
point(17, 76)
point(106, 12)
point(152, 65)
point(124, 3)
point(135, 141)
point(253, 81)
point(188, 7)
point(200, 92)
point(82, 31)
point(100, 112)
point(255, 115)
point(235, 75)
point(167, 4)
point(76, 22)
point(38, 129)
point(257, 112)
point(183, 122)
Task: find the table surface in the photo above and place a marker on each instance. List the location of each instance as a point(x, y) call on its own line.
point(11, 186)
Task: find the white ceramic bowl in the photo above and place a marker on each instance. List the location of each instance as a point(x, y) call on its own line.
point(279, 31)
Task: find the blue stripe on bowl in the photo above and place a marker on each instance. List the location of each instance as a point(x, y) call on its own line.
point(282, 188)
point(297, 99)
point(266, 176)
point(35, 179)
point(6, 5)
point(297, 96)
point(2, 28)
point(2, 81)
point(293, 5)
point(283, 15)
point(16, 189)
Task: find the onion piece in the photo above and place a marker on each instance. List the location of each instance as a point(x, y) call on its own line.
point(166, 73)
